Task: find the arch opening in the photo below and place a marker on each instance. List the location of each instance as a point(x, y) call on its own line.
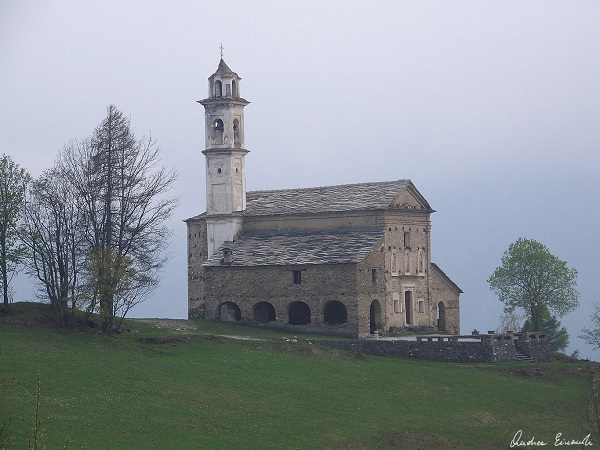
point(229, 312)
point(236, 132)
point(217, 131)
point(335, 313)
point(218, 88)
point(299, 313)
point(264, 312)
point(375, 316)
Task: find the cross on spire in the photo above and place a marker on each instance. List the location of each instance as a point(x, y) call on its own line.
point(221, 48)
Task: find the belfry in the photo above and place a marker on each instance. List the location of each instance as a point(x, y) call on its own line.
point(225, 152)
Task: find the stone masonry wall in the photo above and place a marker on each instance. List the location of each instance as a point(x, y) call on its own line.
point(197, 254)
point(247, 286)
point(447, 349)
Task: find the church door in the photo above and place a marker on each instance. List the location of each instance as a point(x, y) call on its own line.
point(441, 316)
point(408, 306)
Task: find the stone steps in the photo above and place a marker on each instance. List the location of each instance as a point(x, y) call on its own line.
point(522, 357)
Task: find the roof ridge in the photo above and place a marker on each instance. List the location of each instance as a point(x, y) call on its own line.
point(314, 188)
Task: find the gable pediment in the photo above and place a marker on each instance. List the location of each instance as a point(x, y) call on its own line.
point(410, 198)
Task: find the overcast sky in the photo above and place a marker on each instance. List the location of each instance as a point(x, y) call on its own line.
point(491, 108)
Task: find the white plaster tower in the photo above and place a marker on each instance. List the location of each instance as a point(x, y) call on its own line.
point(225, 152)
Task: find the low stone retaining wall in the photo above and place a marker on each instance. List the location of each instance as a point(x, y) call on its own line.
point(488, 348)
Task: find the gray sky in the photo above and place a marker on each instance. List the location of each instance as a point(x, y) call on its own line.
point(491, 108)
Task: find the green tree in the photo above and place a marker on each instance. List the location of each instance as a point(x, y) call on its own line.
point(13, 184)
point(558, 338)
point(531, 277)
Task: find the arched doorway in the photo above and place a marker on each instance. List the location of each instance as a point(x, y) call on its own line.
point(335, 313)
point(375, 316)
point(441, 319)
point(299, 313)
point(229, 312)
point(264, 312)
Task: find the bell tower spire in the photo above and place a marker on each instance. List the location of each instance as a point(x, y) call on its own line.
point(225, 152)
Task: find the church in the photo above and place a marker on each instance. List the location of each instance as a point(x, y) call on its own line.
point(345, 260)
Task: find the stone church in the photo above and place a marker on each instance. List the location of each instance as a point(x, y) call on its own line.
point(348, 260)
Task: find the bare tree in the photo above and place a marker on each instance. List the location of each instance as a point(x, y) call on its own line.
point(124, 191)
point(13, 183)
point(52, 219)
point(592, 335)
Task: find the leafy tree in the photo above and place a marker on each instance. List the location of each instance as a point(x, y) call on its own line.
point(13, 183)
point(51, 232)
point(125, 198)
point(591, 336)
point(531, 277)
point(558, 338)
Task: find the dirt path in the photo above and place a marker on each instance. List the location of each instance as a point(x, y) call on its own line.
point(177, 325)
point(186, 327)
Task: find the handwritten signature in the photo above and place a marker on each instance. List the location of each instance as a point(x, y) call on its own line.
point(559, 440)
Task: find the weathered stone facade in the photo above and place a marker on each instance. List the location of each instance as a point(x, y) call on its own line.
point(346, 260)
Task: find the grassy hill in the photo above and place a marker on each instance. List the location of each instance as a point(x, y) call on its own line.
point(191, 387)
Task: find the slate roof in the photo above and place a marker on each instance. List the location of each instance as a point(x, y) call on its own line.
point(348, 197)
point(446, 278)
point(224, 70)
point(279, 248)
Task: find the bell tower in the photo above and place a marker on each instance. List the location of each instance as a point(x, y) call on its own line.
point(225, 153)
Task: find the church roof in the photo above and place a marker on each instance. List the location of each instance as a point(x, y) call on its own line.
point(280, 248)
point(347, 197)
point(224, 70)
point(446, 278)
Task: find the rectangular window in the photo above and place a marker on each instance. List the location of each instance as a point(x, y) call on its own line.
point(421, 306)
point(374, 275)
point(396, 299)
point(297, 275)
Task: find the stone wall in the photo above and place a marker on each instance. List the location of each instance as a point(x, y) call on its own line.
point(533, 344)
point(246, 287)
point(197, 254)
point(490, 348)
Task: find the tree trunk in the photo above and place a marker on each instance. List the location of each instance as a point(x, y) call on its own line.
point(535, 318)
point(5, 285)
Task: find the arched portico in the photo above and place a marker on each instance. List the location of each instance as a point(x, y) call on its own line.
point(335, 313)
point(299, 313)
point(229, 312)
point(264, 312)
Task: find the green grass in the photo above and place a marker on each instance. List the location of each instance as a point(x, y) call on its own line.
point(200, 391)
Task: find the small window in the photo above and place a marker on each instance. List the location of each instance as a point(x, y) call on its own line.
point(374, 275)
point(218, 88)
point(397, 306)
point(394, 263)
point(297, 276)
point(421, 306)
point(407, 239)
